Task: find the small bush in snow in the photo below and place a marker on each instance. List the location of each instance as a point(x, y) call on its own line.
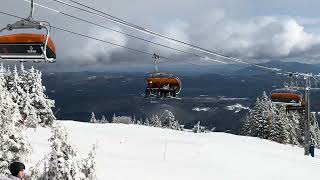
point(122, 119)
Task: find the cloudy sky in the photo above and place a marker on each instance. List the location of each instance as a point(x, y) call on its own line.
point(248, 29)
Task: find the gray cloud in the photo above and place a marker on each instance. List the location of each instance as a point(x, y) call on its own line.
point(94, 51)
point(176, 29)
point(260, 37)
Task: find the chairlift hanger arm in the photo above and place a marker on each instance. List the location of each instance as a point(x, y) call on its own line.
point(31, 10)
point(156, 57)
point(27, 23)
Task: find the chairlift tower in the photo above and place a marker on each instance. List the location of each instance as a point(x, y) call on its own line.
point(307, 116)
point(308, 89)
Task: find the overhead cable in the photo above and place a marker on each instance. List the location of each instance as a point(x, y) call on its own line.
point(147, 31)
point(127, 34)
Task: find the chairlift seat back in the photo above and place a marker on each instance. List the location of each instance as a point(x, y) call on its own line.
point(160, 80)
point(282, 97)
point(26, 46)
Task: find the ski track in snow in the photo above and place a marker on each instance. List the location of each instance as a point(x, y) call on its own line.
point(145, 153)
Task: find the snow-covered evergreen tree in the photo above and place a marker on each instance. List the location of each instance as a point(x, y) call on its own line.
point(134, 121)
point(197, 128)
point(14, 87)
point(93, 118)
point(88, 165)
point(146, 122)
point(14, 145)
point(39, 171)
point(272, 122)
point(122, 119)
point(168, 120)
point(140, 122)
point(40, 101)
point(62, 162)
point(23, 75)
point(278, 128)
point(266, 121)
point(155, 121)
point(62, 159)
point(293, 125)
point(314, 130)
point(26, 90)
point(29, 113)
point(103, 120)
point(260, 118)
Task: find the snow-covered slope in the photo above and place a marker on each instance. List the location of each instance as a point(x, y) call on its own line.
point(132, 152)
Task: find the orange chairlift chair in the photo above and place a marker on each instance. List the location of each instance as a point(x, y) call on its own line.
point(292, 99)
point(24, 47)
point(162, 84)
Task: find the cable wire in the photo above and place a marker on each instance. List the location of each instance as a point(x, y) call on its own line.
point(147, 31)
point(126, 34)
point(103, 41)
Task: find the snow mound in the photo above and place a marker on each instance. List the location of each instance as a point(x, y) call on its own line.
point(237, 108)
point(133, 152)
point(222, 98)
point(201, 109)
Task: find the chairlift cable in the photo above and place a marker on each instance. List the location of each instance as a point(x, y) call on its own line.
point(127, 34)
point(97, 39)
point(147, 31)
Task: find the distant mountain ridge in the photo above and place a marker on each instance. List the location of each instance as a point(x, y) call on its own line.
point(77, 94)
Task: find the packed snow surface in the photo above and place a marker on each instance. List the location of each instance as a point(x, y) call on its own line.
point(133, 152)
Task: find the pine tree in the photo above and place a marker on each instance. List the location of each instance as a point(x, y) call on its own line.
point(140, 121)
point(259, 119)
point(168, 120)
point(197, 128)
point(134, 121)
point(38, 172)
point(278, 128)
point(146, 122)
point(62, 159)
point(275, 123)
point(314, 130)
point(103, 120)
point(26, 90)
point(15, 89)
point(88, 168)
point(14, 145)
point(122, 119)
point(29, 113)
point(93, 118)
point(23, 75)
point(2, 79)
point(39, 100)
point(62, 163)
point(155, 121)
point(268, 121)
point(293, 126)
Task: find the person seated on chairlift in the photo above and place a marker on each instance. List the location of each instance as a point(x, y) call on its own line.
point(166, 89)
